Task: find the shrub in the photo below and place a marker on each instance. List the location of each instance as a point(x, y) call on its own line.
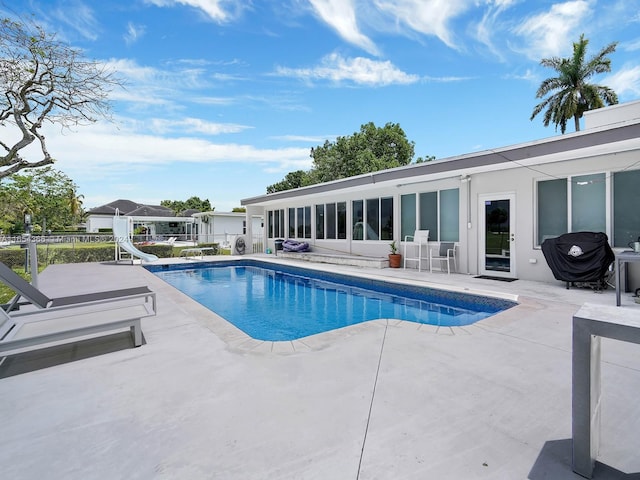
point(77, 253)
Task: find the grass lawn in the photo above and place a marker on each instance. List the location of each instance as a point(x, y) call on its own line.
point(6, 293)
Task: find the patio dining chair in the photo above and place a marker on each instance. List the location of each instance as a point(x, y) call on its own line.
point(444, 253)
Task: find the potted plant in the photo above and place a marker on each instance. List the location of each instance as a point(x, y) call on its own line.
point(395, 259)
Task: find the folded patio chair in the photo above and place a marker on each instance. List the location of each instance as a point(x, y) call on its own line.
point(39, 328)
point(34, 296)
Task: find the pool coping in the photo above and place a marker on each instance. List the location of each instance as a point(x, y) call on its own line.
point(238, 341)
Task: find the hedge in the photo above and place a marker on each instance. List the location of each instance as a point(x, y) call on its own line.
point(15, 258)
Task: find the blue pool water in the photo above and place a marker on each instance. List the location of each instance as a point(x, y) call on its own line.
point(276, 302)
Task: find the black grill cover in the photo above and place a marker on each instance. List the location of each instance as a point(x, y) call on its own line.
point(579, 256)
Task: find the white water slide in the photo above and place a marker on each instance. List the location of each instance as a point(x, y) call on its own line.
point(123, 240)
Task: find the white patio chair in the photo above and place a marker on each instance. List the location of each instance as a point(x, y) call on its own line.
point(415, 244)
point(445, 253)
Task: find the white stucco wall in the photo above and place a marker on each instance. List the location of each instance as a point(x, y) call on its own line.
point(95, 222)
point(516, 178)
point(220, 227)
point(530, 262)
point(610, 144)
point(603, 117)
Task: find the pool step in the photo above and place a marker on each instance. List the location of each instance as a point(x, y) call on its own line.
point(337, 259)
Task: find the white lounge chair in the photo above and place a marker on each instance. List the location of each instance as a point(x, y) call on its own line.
point(36, 297)
point(40, 328)
point(68, 318)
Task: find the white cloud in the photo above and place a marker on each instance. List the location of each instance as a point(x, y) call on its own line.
point(551, 34)
point(104, 151)
point(632, 46)
point(133, 33)
point(445, 79)
point(148, 86)
point(78, 16)
point(490, 25)
point(625, 82)
point(141, 76)
point(196, 125)
point(341, 16)
point(218, 10)
point(429, 17)
point(528, 76)
point(359, 70)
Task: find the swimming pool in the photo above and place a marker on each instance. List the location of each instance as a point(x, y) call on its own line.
point(280, 302)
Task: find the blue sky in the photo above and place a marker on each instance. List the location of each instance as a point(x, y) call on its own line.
point(225, 97)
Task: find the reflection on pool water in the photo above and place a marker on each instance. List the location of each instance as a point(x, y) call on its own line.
point(279, 302)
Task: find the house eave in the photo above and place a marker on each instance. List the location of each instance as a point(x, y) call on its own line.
point(584, 144)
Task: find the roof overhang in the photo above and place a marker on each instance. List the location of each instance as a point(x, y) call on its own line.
point(585, 144)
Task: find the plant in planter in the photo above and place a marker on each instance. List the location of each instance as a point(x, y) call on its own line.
point(395, 259)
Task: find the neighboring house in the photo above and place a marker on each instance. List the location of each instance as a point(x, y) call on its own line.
point(223, 227)
point(497, 205)
point(160, 222)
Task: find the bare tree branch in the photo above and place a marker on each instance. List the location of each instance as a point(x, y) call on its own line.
point(44, 80)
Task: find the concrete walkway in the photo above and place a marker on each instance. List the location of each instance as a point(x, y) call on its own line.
point(384, 400)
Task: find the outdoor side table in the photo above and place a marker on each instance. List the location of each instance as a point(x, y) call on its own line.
point(590, 324)
point(620, 263)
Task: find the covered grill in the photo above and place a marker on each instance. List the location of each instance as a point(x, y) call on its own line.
point(580, 257)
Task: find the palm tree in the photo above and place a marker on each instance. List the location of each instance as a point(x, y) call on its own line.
point(574, 95)
point(74, 202)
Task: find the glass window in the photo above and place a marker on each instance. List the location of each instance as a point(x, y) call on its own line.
point(275, 223)
point(449, 215)
point(300, 222)
point(429, 213)
point(292, 223)
point(307, 222)
point(588, 203)
point(342, 220)
point(270, 224)
point(280, 223)
point(407, 215)
point(386, 219)
point(330, 209)
point(373, 219)
point(357, 215)
point(626, 207)
point(320, 221)
point(552, 209)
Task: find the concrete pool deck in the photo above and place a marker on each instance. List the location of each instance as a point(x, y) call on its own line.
point(386, 400)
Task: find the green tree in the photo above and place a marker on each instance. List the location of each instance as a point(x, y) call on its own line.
point(48, 195)
point(292, 180)
point(573, 94)
point(44, 80)
point(194, 203)
point(370, 150)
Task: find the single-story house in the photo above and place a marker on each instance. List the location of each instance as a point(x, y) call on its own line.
point(159, 222)
point(497, 205)
point(224, 227)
